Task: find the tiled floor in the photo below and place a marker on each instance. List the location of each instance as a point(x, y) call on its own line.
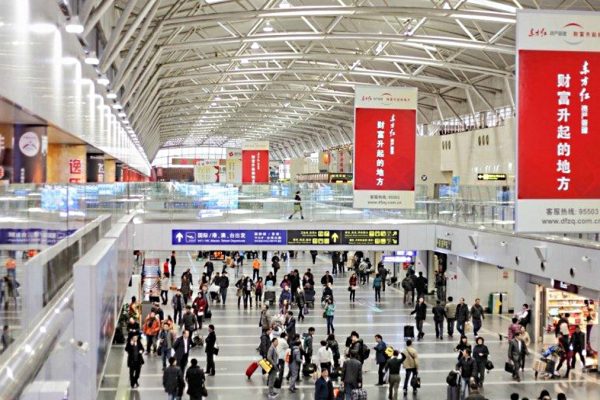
point(238, 334)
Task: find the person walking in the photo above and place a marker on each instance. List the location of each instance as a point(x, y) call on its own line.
point(301, 303)
point(290, 324)
point(335, 349)
point(173, 263)
point(200, 305)
point(409, 289)
point(295, 363)
point(420, 313)
point(166, 267)
point(524, 317)
point(282, 348)
point(297, 206)
point(377, 283)
point(195, 379)
point(352, 284)
point(439, 313)
point(477, 315)
point(480, 354)
point(256, 269)
point(166, 340)
point(392, 366)
point(564, 353)
point(462, 345)
point(440, 285)
point(467, 367)
point(516, 350)
point(329, 314)
point(210, 268)
point(380, 358)
point(135, 360)
point(151, 329)
point(578, 344)
point(351, 375)
point(325, 356)
point(421, 285)
point(5, 339)
point(223, 286)
point(383, 273)
point(462, 316)
point(165, 285)
point(410, 362)
point(450, 310)
point(177, 303)
point(324, 386)
point(186, 289)
point(313, 255)
point(172, 377)
point(182, 347)
point(274, 371)
point(210, 348)
point(189, 321)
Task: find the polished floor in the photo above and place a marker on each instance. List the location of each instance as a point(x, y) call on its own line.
point(238, 334)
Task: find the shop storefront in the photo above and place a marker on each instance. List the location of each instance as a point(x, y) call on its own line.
point(564, 301)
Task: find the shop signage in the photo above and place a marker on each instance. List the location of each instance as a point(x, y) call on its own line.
point(558, 187)
point(565, 287)
point(227, 237)
point(184, 161)
point(384, 143)
point(491, 177)
point(370, 237)
point(445, 244)
point(255, 162)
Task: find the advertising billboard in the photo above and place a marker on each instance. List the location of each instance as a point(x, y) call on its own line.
point(558, 187)
point(385, 121)
point(255, 162)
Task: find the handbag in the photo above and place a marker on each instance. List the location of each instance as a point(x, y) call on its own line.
point(468, 326)
point(324, 314)
point(489, 365)
point(203, 391)
point(509, 367)
point(415, 382)
point(265, 365)
point(386, 376)
point(349, 288)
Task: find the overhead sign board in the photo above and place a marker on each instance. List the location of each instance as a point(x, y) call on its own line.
point(445, 244)
point(314, 237)
point(491, 177)
point(565, 287)
point(227, 237)
point(558, 185)
point(311, 237)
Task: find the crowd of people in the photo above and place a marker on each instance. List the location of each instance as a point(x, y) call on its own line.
point(289, 352)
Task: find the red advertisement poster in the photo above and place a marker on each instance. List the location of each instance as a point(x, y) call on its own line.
point(255, 166)
point(384, 139)
point(558, 185)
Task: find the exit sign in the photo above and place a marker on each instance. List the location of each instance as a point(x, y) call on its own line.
point(491, 177)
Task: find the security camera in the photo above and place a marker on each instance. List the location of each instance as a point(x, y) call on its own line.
point(81, 347)
point(503, 244)
point(586, 259)
point(448, 233)
point(542, 253)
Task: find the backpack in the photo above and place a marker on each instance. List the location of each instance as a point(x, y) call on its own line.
point(407, 284)
point(364, 351)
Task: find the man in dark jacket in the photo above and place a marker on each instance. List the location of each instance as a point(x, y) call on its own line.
point(380, 358)
point(467, 367)
point(351, 375)
point(224, 285)
point(195, 380)
point(477, 314)
point(439, 314)
point(182, 347)
point(421, 285)
point(171, 379)
point(462, 316)
point(189, 320)
point(324, 386)
point(480, 354)
point(173, 263)
point(210, 268)
point(327, 278)
point(210, 348)
point(474, 392)
point(578, 344)
point(420, 312)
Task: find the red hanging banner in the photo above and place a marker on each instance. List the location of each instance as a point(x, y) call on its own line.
point(255, 162)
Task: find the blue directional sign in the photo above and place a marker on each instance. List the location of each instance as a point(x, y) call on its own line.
point(228, 237)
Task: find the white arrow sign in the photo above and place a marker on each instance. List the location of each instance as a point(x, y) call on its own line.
point(179, 237)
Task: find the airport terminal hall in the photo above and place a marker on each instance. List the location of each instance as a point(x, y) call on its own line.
point(299, 199)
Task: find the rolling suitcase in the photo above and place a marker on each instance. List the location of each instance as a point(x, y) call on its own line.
point(251, 369)
point(453, 392)
point(409, 332)
point(359, 394)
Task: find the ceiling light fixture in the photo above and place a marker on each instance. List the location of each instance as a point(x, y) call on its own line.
point(122, 115)
point(74, 26)
point(494, 5)
point(255, 46)
point(244, 61)
point(284, 4)
point(103, 80)
point(91, 59)
point(111, 95)
point(117, 106)
point(268, 27)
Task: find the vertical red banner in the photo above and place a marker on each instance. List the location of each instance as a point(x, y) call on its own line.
point(558, 185)
point(385, 121)
point(255, 166)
